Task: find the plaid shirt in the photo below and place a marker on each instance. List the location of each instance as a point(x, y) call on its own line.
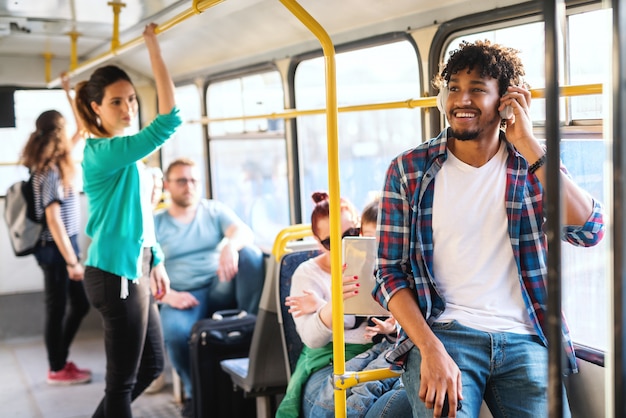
point(405, 252)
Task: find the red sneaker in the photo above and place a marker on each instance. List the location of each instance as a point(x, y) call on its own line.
point(65, 377)
point(72, 367)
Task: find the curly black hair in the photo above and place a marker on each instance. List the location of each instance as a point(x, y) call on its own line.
point(492, 60)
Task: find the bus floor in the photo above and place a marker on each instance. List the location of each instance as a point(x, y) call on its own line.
point(24, 392)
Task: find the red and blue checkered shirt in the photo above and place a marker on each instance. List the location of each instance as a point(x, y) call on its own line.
point(405, 252)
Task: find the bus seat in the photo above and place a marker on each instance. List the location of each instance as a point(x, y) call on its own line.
point(262, 374)
point(292, 343)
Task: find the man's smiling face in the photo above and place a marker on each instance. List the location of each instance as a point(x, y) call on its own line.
point(472, 105)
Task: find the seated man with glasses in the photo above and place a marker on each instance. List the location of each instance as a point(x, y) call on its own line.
point(210, 259)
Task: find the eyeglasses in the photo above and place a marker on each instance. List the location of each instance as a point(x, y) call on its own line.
point(351, 232)
point(182, 182)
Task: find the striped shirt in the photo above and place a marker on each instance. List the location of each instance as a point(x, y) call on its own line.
point(47, 189)
point(405, 252)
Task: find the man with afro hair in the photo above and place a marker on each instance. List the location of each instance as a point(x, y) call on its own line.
point(462, 252)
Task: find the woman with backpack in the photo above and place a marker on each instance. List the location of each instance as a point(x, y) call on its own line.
point(47, 155)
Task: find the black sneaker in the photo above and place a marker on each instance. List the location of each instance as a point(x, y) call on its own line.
point(187, 410)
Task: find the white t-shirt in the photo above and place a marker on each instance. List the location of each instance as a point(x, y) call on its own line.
point(192, 249)
point(474, 266)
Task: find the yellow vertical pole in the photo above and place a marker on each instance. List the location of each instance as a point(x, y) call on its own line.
point(47, 56)
point(333, 191)
point(73, 49)
point(117, 8)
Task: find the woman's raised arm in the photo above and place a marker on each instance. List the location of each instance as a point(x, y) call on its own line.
point(164, 84)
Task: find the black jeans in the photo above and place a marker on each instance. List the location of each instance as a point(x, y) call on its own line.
point(62, 319)
point(132, 337)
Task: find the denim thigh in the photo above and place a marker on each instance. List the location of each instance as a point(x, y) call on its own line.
point(319, 391)
point(508, 370)
point(392, 404)
point(249, 279)
point(318, 394)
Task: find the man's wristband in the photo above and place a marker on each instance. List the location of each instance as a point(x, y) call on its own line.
point(537, 164)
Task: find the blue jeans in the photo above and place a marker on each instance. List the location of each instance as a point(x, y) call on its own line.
point(378, 398)
point(393, 403)
point(243, 292)
point(66, 303)
point(132, 337)
point(509, 371)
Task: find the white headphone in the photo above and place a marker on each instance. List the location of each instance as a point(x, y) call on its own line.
point(442, 98)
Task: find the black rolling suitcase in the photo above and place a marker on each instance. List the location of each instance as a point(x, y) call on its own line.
point(226, 335)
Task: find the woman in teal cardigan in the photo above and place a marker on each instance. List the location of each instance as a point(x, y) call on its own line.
point(124, 261)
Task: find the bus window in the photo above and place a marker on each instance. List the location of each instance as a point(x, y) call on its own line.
point(583, 152)
point(29, 104)
point(368, 140)
point(584, 270)
point(590, 53)
point(246, 96)
point(188, 141)
point(248, 158)
point(253, 183)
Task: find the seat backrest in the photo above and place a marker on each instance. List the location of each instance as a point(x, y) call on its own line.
point(291, 340)
point(266, 368)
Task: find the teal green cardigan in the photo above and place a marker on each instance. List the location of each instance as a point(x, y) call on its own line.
point(111, 183)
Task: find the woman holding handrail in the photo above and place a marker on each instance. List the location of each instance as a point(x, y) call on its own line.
point(124, 262)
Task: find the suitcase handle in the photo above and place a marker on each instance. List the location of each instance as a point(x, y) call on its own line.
point(229, 314)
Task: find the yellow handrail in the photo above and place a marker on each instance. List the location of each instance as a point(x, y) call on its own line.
point(350, 379)
point(285, 236)
point(566, 91)
point(333, 191)
point(574, 90)
point(198, 7)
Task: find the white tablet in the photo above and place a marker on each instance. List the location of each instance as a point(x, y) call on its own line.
point(359, 256)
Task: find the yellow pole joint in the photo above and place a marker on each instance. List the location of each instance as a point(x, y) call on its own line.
point(47, 56)
point(117, 8)
point(196, 7)
point(199, 6)
point(351, 379)
point(73, 49)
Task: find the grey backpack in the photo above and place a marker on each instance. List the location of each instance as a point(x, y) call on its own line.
point(19, 214)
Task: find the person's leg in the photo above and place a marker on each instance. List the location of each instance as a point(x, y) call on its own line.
point(249, 279)
point(471, 350)
point(392, 404)
point(60, 325)
point(318, 398)
point(519, 383)
point(78, 306)
point(177, 324)
point(55, 288)
point(78, 309)
point(318, 395)
point(360, 398)
point(152, 358)
point(125, 324)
